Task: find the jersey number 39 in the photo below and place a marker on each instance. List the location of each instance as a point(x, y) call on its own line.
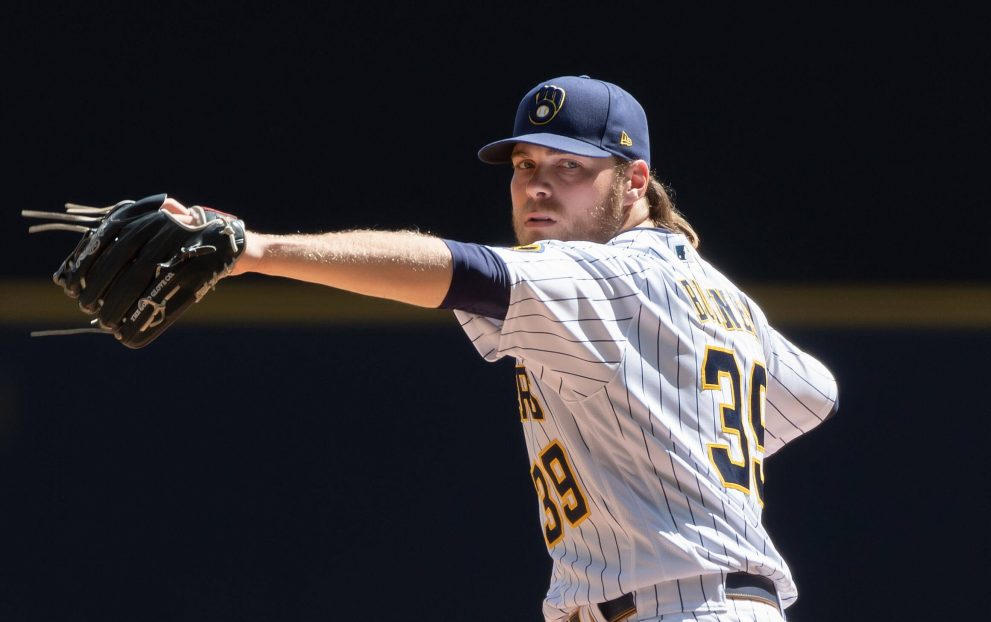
point(720, 363)
point(555, 466)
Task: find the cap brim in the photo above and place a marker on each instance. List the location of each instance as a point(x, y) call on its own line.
point(501, 151)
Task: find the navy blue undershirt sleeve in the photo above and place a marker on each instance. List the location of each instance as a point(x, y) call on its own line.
point(480, 283)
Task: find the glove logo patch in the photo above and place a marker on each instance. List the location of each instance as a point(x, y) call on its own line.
point(91, 247)
point(150, 299)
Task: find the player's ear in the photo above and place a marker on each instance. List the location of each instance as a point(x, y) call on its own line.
point(637, 181)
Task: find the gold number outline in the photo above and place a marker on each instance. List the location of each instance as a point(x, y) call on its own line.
point(742, 470)
point(566, 487)
point(756, 407)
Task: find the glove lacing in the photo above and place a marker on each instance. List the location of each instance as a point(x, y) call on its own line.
point(94, 216)
point(74, 213)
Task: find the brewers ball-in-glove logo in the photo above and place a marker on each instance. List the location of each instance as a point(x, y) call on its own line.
point(546, 104)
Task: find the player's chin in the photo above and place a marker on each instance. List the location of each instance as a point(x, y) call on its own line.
point(523, 236)
point(528, 233)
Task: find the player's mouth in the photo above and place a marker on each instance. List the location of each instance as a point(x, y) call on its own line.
point(538, 219)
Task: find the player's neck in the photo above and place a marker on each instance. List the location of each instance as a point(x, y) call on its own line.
point(638, 216)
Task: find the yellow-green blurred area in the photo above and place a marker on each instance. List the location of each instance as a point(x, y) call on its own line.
point(273, 302)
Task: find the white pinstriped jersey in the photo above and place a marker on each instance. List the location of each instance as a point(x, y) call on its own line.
point(641, 371)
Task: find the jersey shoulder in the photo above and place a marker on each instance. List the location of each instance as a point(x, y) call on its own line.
point(640, 245)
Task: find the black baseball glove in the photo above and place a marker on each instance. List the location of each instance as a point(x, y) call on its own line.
point(138, 267)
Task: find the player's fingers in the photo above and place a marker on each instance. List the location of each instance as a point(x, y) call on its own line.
point(174, 207)
point(180, 211)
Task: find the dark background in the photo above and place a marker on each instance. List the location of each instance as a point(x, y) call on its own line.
point(814, 144)
point(356, 471)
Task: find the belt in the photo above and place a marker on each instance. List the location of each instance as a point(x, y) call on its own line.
point(618, 608)
point(752, 587)
point(738, 585)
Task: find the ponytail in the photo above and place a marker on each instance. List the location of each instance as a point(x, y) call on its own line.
point(665, 214)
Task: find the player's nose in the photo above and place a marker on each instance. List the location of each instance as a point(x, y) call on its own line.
point(538, 185)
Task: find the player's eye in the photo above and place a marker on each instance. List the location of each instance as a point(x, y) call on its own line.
point(571, 164)
point(523, 164)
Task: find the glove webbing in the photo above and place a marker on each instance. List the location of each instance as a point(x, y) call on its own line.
point(95, 216)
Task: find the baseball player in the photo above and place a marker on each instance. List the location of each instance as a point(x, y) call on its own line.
point(651, 390)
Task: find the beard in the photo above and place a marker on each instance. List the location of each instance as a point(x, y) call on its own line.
point(600, 224)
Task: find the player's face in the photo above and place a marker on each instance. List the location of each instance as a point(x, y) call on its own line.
point(562, 196)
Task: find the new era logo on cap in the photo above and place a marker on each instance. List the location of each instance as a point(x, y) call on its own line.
point(579, 115)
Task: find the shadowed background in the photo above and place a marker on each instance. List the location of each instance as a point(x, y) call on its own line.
point(294, 454)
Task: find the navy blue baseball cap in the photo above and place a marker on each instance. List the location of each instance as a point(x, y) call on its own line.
point(579, 115)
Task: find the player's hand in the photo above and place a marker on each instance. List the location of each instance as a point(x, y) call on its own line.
point(180, 211)
point(251, 252)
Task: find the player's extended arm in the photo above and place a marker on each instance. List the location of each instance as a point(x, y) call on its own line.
point(405, 266)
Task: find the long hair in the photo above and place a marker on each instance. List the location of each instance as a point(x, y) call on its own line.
point(664, 213)
point(660, 198)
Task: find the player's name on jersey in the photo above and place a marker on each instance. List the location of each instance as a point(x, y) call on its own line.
point(716, 305)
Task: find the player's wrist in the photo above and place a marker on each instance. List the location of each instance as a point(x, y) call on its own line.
point(254, 251)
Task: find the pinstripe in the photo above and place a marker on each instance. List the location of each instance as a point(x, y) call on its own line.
point(736, 608)
point(612, 342)
point(574, 356)
point(570, 546)
point(714, 407)
point(595, 503)
point(704, 596)
point(561, 337)
point(588, 564)
point(577, 585)
point(716, 427)
point(660, 385)
point(619, 573)
point(556, 321)
point(804, 405)
point(579, 533)
point(626, 385)
point(681, 423)
point(783, 416)
point(567, 298)
point(598, 535)
point(698, 427)
point(808, 383)
point(564, 371)
point(597, 279)
point(577, 260)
